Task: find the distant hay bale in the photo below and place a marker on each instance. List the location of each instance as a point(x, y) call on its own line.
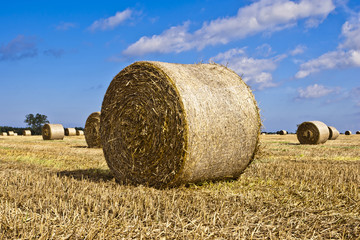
point(313, 132)
point(92, 130)
point(15, 134)
point(27, 133)
point(79, 132)
point(357, 132)
point(70, 132)
point(263, 133)
point(282, 132)
point(333, 133)
point(165, 124)
point(4, 134)
point(348, 133)
point(10, 133)
point(53, 132)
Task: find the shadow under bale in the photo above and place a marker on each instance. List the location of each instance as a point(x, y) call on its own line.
point(91, 174)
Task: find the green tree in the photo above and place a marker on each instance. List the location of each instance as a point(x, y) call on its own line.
point(36, 122)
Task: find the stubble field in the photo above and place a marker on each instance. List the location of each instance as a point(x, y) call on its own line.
point(64, 190)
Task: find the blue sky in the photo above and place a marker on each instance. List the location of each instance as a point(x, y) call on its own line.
point(301, 58)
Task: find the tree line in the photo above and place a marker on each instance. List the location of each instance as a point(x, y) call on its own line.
point(34, 122)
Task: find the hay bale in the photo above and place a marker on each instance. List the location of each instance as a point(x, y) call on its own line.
point(333, 133)
point(27, 133)
point(15, 134)
point(10, 133)
point(79, 132)
point(70, 132)
point(165, 124)
point(92, 130)
point(282, 132)
point(53, 132)
point(313, 132)
point(357, 132)
point(4, 134)
point(348, 133)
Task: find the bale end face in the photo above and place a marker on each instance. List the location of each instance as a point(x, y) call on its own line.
point(92, 130)
point(313, 132)
point(70, 132)
point(333, 133)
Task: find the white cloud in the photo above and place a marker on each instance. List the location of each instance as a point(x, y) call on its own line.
point(64, 26)
point(314, 91)
point(261, 16)
point(256, 72)
point(345, 56)
point(299, 49)
point(111, 22)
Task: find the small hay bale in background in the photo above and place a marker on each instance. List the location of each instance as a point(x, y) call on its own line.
point(15, 134)
point(27, 133)
point(70, 132)
point(357, 132)
point(282, 132)
point(313, 132)
point(79, 132)
point(348, 133)
point(92, 130)
point(165, 124)
point(263, 133)
point(10, 133)
point(53, 132)
point(333, 133)
point(4, 134)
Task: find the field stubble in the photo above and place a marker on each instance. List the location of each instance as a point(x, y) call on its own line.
point(63, 190)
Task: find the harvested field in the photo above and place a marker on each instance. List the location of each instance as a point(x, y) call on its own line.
point(64, 190)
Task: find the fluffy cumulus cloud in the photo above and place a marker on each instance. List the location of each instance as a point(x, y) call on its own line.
point(346, 55)
point(314, 91)
point(256, 72)
point(18, 48)
point(261, 16)
point(111, 22)
point(299, 49)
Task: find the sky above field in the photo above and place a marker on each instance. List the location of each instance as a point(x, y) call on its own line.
point(301, 58)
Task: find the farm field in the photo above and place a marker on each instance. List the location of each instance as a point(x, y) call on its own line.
point(64, 190)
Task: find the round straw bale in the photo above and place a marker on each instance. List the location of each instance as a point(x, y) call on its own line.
point(333, 133)
point(27, 133)
point(79, 132)
point(70, 132)
point(165, 124)
point(15, 134)
point(348, 133)
point(314, 132)
point(282, 132)
point(10, 133)
point(92, 130)
point(4, 134)
point(53, 132)
point(357, 132)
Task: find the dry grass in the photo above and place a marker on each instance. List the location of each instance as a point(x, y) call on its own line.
point(63, 190)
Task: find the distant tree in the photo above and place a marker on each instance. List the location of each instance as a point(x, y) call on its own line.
point(36, 122)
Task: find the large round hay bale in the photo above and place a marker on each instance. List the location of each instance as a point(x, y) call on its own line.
point(27, 133)
point(79, 132)
point(313, 132)
point(333, 133)
point(348, 132)
point(282, 132)
point(10, 133)
point(70, 132)
point(4, 134)
point(165, 124)
point(53, 132)
point(92, 130)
